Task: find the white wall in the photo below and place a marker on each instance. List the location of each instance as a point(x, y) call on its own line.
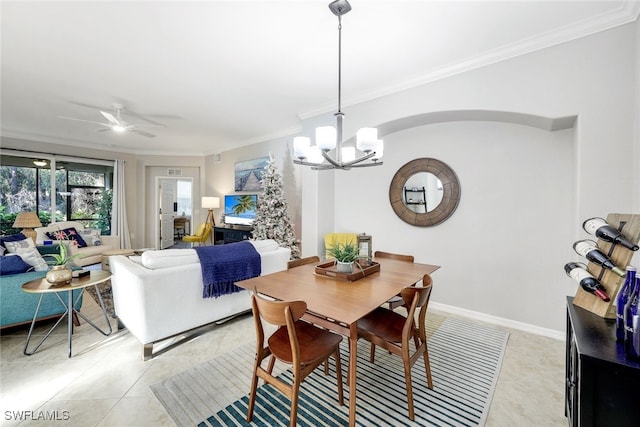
point(220, 175)
point(525, 191)
point(636, 115)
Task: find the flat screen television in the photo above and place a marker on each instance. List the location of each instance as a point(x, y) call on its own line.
point(240, 208)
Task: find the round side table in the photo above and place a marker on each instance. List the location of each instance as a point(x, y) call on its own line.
point(42, 286)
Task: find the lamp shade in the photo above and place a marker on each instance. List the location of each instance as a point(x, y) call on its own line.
point(27, 220)
point(210, 202)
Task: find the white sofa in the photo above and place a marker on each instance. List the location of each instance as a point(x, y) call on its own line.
point(159, 294)
point(92, 254)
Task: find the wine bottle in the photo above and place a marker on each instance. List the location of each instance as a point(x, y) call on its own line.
point(629, 309)
point(601, 229)
point(578, 272)
point(621, 301)
point(636, 323)
point(635, 314)
point(589, 250)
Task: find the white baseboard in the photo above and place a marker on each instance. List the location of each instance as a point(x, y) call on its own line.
point(526, 327)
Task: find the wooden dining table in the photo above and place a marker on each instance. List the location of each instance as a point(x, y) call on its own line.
point(337, 304)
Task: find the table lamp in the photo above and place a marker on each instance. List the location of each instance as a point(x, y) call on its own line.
point(211, 203)
point(27, 221)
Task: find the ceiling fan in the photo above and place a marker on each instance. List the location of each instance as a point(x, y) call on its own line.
point(116, 123)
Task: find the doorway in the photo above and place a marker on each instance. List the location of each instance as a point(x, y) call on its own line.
point(174, 203)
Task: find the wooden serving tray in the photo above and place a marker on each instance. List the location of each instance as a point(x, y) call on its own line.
point(328, 269)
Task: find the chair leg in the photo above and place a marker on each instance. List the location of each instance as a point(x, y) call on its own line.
point(407, 379)
point(252, 394)
point(295, 389)
point(339, 377)
point(427, 366)
point(372, 353)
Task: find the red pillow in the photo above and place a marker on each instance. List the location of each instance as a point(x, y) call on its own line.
point(67, 234)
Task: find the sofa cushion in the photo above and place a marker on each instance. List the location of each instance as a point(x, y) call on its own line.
point(13, 264)
point(67, 234)
point(12, 238)
point(32, 257)
point(15, 246)
point(169, 258)
point(90, 251)
point(91, 236)
point(267, 245)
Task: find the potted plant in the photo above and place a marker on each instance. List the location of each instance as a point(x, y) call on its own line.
point(60, 273)
point(345, 255)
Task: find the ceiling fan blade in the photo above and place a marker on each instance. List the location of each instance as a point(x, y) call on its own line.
point(143, 133)
point(82, 120)
point(95, 107)
point(110, 117)
point(146, 118)
point(148, 125)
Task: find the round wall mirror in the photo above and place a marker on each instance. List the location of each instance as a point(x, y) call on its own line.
point(424, 192)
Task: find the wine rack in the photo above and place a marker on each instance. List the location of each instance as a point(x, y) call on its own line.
point(629, 225)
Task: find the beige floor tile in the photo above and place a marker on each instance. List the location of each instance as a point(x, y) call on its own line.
point(106, 383)
point(136, 411)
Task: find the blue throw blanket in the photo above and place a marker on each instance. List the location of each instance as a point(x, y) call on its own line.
point(222, 265)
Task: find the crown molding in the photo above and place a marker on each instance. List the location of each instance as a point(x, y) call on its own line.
point(628, 12)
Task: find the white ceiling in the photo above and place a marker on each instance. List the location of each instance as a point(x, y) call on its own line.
point(222, 74)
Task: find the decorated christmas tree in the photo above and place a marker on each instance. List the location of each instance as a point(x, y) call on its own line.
point(272, 220)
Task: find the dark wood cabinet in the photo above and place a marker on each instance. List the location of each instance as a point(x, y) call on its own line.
point(231, 233)
point(602, 383)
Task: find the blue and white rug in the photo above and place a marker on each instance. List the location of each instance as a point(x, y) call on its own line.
point(465, 364)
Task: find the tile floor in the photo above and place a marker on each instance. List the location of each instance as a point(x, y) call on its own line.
point(106, 383)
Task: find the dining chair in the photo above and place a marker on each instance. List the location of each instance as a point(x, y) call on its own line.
point(302, 261)
point(296, 343)
point(394, 332)
point(396, 301)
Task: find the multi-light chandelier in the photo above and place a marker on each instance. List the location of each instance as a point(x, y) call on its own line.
point(328, 153)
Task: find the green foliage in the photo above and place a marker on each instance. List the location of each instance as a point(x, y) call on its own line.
point(62, 258)
point(344, 252)
point(104, 212)
point(27, 188)
point(245, 203)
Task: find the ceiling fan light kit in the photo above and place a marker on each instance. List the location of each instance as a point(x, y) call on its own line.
point(328, 153)
point(117, 124)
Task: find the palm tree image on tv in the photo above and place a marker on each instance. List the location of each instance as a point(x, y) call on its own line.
point(244, 204)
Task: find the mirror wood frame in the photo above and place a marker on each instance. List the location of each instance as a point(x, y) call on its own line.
point(450, 196)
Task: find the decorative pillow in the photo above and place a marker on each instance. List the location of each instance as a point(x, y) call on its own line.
point(91, 236)
point(12, 238)
point(13, 247)
point(67, 234)
point(13, 265)
point(167, 258)
point(263, 246)
point(32, 257)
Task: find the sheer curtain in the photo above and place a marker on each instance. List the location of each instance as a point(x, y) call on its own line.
point(119, 223)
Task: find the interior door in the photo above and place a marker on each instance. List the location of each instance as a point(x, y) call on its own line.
point(167, 214)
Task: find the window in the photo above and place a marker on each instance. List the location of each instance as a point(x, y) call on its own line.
point(83, 192)
point(184, 198)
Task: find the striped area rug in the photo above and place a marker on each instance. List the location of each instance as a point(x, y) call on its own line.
point(465, 364)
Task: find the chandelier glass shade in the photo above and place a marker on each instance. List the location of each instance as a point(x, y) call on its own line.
point(328, 151)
